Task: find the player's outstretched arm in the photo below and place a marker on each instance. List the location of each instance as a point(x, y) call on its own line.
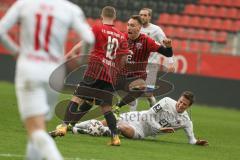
point(166, 50)
point(167, 130)
point(74, 51)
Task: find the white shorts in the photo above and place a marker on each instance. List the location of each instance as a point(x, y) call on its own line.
point(131, 120)
point(34, 95)
point(152, 69)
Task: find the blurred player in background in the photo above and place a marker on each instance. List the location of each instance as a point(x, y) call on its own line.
point(105, 60)
point(141, 46)
point(157, 34)
point(166, 116)
point(44, 26)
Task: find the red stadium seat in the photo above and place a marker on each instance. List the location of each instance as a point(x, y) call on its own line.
point(169, 31)
point(185, 20)
point(211, 35)
point(176, 44)
point(205, 23)
point(175, 19)
point(221, 12)
point(221, 37)
point(180, 33)
point(202, 10)
point(216, 24)
point(179, 45)
point(190, 9)
point(238, 14)
point(164, 18)
point(218, 2)
point(195, 22)
point(207, 2)
point(191, 33)
point(227, 3)
point(212, 11)
point(201, 35)
point(228, 25)
point(236, 26)
point(236, 3)
point(232, 13)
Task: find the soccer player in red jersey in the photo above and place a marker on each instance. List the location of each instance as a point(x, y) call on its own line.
point(141, 46)
point(110, 47)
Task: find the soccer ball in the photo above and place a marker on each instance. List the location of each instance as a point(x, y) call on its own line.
point(95, 128)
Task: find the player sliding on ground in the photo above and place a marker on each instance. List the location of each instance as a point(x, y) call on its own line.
point(166, 116)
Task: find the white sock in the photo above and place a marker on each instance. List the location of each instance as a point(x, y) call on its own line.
point(152, 101)
point(32, 152)
point(133, 105)
point(45, 145)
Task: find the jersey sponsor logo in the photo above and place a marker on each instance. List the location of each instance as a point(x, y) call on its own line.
point(139, 45)
point(157, 108)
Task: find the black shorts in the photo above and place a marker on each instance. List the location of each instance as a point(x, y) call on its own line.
point(98, 91)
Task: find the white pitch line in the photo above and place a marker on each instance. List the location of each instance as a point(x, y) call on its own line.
point(22, 156)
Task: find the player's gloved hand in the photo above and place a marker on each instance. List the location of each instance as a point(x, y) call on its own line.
point(167, 130)
point(167, 42)
point(202, 142)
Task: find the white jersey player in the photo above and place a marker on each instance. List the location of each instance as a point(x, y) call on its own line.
point(156, 33)
point(44, 26)
point(166, 116)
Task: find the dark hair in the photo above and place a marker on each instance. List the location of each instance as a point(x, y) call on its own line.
point(149, 11)
point(189, 95)
point(109, 11)
point(137, 18)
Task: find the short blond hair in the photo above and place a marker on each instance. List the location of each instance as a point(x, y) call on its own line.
point(109, 11)
point(149, 11)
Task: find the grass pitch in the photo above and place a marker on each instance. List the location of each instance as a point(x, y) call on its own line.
point(220, 126)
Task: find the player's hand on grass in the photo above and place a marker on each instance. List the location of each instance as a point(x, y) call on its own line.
point(202, 142)
point(167, 42)
point(167, 130)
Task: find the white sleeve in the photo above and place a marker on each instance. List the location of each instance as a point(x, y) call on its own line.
point(160, 36)
point(82, 28)
point(152, 120)
point(6, 23)
point(189, 132)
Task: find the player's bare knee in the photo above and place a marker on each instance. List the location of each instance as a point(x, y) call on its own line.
point(126, 131)
point(35, 123)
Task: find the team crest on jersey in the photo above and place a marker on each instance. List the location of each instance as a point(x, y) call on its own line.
point(157, 108)
point(139, 45)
